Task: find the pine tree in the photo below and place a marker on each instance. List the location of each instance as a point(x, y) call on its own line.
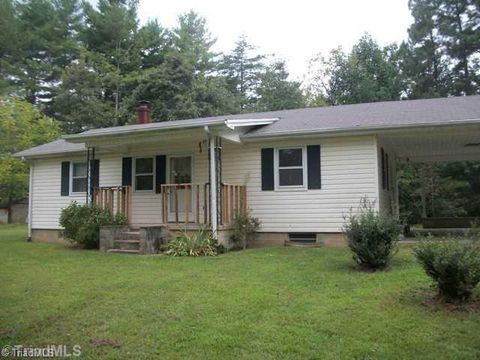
point(193, 40)
point(48, 43)
point(276, 92)
point(458, 25)
point(80, 103)
point(242, 70)
point(111, 32)
point(423, 66)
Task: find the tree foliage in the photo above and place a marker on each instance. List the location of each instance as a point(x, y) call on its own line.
point(368, 73)
point(21, 126)
point(440, 57)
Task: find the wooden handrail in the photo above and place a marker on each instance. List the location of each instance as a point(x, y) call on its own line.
point(117, 199)
point(196, 199)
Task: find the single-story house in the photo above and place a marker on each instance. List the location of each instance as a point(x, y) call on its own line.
point(299, 171)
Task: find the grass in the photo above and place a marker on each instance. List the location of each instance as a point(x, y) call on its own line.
point(254, 304)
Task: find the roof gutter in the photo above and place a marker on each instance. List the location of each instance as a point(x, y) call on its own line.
point(83, 137)
point(354, 131)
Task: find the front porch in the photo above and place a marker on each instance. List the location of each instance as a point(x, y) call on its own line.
point(175, 199)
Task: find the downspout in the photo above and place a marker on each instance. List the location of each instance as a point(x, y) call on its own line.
point(30, 202)
point(213, 182)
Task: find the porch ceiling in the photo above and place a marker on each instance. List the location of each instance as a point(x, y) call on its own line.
point(126, 143)
point(445, 144)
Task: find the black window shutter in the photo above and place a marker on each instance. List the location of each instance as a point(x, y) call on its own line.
point(95, 170)
point(382, 154)
point(313, 168)
point(127, 171)
point(65, 182)
point(160, 172)
point(267, 170)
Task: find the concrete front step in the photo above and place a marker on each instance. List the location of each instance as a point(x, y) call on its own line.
point(131, 235)
point(126, 244)
point(123, 251)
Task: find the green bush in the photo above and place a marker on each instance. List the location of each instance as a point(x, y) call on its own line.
point(371, 237)
point(244, 227)
point(199, 243)
point(453, 264)
point(82, 223)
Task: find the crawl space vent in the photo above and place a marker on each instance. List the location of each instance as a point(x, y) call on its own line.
point(303, 237)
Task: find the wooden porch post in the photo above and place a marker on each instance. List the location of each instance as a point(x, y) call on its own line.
point(396, 194)
point(213, 186)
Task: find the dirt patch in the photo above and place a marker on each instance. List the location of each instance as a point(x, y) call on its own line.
point(430, 299)
point(7, 331)
point(437, 303)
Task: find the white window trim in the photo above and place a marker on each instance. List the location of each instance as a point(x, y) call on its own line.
point(72, 164)
point(135, 174)
point(303, 167)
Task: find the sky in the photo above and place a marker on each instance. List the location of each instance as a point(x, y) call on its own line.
point(293, 30)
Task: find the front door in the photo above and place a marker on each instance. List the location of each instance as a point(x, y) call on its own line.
point(180, 172)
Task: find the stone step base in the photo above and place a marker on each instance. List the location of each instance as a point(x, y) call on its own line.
point(303, 245)
point(123, 239)
point(123, 251)
point(126, 244)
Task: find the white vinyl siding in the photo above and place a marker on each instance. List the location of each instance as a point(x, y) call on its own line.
point(348, 170)
point(46, 199)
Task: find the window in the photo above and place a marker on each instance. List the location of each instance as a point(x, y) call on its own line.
point(291, 167)
point(79, 177)
point(144, 174)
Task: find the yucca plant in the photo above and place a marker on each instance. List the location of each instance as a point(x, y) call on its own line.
point(198, 243)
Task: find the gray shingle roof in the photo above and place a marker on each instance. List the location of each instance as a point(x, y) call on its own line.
point(372, 115)
point(52, 148)
point(379, 115)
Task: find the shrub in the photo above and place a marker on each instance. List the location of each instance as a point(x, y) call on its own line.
point(244, 227)
point(82, 223)
point(474, 229)
point(453, 264)
point(199, 243)
point(371, 237)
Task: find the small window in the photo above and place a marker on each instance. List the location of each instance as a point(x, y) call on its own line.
point(144, 174)
point(291, 167)
point(79, 177)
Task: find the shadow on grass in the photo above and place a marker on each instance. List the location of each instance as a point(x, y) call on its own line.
point(398, 262)
point(428, 298)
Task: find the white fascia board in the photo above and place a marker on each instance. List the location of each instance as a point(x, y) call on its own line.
point(234, 123)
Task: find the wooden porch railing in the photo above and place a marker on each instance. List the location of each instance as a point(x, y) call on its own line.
point(196, 198)
point(233, 200)
point(117, 199)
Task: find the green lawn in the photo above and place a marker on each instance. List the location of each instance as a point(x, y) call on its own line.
point(265, 303)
